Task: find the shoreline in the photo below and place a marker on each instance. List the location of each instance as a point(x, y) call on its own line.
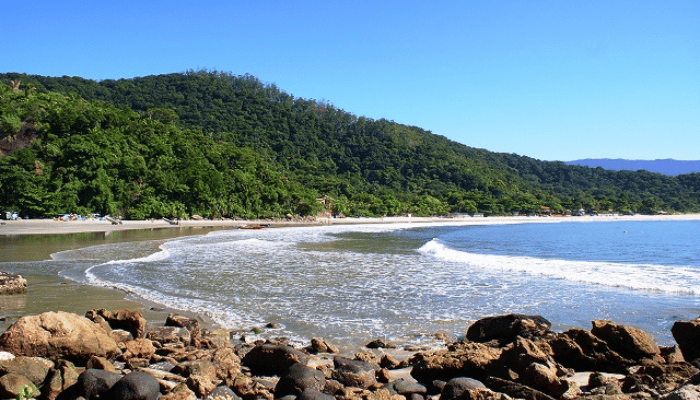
point(51, 227)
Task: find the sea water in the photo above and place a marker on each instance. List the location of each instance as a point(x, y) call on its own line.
point(406, 282)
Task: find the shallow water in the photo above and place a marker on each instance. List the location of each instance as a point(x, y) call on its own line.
point(352, 284)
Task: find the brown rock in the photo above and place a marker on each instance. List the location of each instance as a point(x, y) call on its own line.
point(129, 320)
point(687, 335)
point(169, 334)
point(33, 368)
point(191, 324)
point(582, 351)
point(545, 379)
point(142, 348)
point(180, 392)
point(268, 359)
point(12, 283)
point(58, 335)
point(14, 385)
point(471, 359)
point(200, 385)
point(95, 362)
point(322, 346)
point(506, 327)
point(627, 341)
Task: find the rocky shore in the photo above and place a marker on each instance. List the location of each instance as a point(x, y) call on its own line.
point(116, 354)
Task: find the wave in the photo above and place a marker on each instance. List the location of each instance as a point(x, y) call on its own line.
point(658, 278)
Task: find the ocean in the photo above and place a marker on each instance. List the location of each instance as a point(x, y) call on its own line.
point(351, 284)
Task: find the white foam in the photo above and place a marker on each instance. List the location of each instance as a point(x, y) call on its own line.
point(669, 279)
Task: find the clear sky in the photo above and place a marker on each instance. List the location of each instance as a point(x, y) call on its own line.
point(553, 80)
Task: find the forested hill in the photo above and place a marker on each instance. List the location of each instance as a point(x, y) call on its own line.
point(666, 166)
point(359, 165)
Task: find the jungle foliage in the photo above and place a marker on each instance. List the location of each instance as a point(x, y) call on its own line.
point(273, 153)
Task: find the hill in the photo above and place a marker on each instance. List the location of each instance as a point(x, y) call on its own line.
point(666, 166)
point(357, 165)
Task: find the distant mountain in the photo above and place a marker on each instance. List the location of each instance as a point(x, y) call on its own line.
point(667, 166)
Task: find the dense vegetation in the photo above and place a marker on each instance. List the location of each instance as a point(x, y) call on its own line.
point(217, 144)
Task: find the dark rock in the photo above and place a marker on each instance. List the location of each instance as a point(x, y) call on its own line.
point(268, 359)
point(354, 373)
point(506, 327)
point(128, 320)
point(222, 392)
point(380, 344)
point(455, 388)
point(299, 378)
point(135, 386)
point(191, 324)
point(60, 379)
point(471, 359)
point(582, 351)
point(629, 342)
point(687, 335)
point(12, 283)
point(311, 394)
point(515, 389)
point(94, 383)
point(14, 385)
point(57, 335)
point(408, 386)
point(169, 334)
point(322, 346)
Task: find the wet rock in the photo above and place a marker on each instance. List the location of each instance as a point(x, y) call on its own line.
point(58, 335)
point(408, 386)
point(14, 385)
point(311, 394)
point(629, 342)
point(516, 390)
point(191, 324)
point(506, 327)
point(687, 335)
point(94, 383)
point(134, 386)
point(269, 359)
point(129, 320)
point(12, 283)
point(222, 393)
point(354, 373)
point(299, 378)
point(582, 351)
point(545, 379)
point(380, 344)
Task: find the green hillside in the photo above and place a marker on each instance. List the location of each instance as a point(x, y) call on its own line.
point(310, 148)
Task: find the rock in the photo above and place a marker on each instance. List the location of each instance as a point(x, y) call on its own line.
point(322, 346)
point(226, 362)
point(58, 335)
point(14, 385)
point(180, 392)
point(94, 383)
point(134, 386)
point(354, 373)
point(685, 392)
point(95, 362)
point(582, 351)
point(200, 385)
point(269, 359)
point(191, 324)
point(546, 380)
point(629, 342)
point(197, 367)
point(380, 344)
point(687, 335)
point(506, 327)
point(299, 378)
point(60, 379)
point(33, 368)
point(221, 393)
point(516, 390)
point(129, 320)
point(142, 348)
point(471, 359)
point(12, 283)
point(169, 334)
point(456, 387)
point(408, 386)
point(311, 394)
point(5, 356)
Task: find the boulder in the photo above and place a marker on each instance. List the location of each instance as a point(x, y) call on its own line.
point(15, 385)
point(354, 373)
point(270, 359)
point(582, 351)
point(322, 346)
point(200, 385)
point(629, 342)
point(94, 383)
point(456, 388)
point(380, 344)
point(299, 378)
point(311, 394)
point(515, 389)
point(12, 283)
point(63, 377)
point(33, 368)
point(129, 320)
point(142, 348)
point(135, 386)
point(687, 335)
point(505, 328)
point(470, 359)
point(58, 335)
point(191, 324)
point(408, 386)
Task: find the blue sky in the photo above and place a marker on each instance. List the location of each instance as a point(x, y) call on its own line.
point(553, 80)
